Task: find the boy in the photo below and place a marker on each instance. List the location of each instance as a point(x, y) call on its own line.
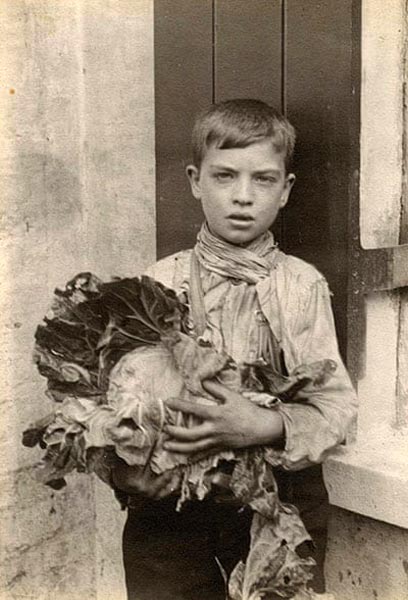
point(254, 302)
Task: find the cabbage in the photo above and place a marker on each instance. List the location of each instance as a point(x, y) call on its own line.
point(112, 354)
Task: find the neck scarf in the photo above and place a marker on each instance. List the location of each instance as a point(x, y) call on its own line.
point(250, 263)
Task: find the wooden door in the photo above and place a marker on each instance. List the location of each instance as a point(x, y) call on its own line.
point(293, 54)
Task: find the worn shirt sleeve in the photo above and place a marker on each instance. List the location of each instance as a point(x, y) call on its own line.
point(319, 418)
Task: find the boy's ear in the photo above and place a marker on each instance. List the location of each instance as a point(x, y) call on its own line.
point(193, 174)
point(290, 180)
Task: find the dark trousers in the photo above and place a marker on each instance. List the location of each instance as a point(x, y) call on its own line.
point(171, 555)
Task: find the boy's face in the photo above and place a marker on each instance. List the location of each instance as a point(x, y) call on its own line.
point(241, 190)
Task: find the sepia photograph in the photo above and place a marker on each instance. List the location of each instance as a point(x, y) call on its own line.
point(204, 299)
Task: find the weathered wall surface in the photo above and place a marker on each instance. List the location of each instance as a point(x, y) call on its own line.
point(367, 554)
point(384, 46)
point(77, 189)
point(375, 563)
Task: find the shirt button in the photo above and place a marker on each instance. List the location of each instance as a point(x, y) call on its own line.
point(260, 317)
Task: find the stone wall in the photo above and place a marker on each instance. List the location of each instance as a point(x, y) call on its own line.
point(368, 541)
point(77, 182)
point(374, 565)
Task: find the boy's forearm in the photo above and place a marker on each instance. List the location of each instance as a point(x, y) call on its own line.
point(271, 431)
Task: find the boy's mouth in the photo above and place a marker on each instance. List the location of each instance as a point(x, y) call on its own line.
point(244, 217)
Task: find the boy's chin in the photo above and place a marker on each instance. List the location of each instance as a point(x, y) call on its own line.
point(239, 239)
point(236, 236)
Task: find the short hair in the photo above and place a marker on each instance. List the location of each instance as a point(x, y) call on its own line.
point(239, 123)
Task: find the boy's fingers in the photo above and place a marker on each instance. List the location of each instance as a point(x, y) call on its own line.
point(190, 447)
point(191, 408)
point(216, 389)
point(170, 488)
point(190, 434)
point(166, 491)
point(160, 483)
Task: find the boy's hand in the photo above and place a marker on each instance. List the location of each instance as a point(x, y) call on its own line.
point(236, 423)
point(146, 484)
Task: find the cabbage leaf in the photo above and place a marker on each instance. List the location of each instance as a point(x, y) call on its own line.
point(112, 354)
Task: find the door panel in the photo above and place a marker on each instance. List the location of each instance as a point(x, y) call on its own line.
point(183, 86)
point(296, 56)
point(248, 48)
point(318, 93)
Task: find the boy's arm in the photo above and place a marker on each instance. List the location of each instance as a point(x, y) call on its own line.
point(319, 419)
point(311, 426)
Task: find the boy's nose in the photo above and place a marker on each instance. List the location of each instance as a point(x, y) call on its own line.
point(242, 193)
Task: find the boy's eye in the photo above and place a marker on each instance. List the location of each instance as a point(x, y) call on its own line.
point(266, 179)
point(223, 176)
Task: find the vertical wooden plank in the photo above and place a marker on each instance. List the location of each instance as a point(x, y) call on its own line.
point(248, 54)
point(248, 43)
point(183, 86)
point(319, 97)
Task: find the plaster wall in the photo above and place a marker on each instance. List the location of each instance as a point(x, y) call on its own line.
point(77, 181)
point(367, 554)
point(383, 97)
point(383, 390)
point(375, 566)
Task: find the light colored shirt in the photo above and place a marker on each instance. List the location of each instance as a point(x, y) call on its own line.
point(293, 304)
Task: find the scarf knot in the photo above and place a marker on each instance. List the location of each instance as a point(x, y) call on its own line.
point(251, 263)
